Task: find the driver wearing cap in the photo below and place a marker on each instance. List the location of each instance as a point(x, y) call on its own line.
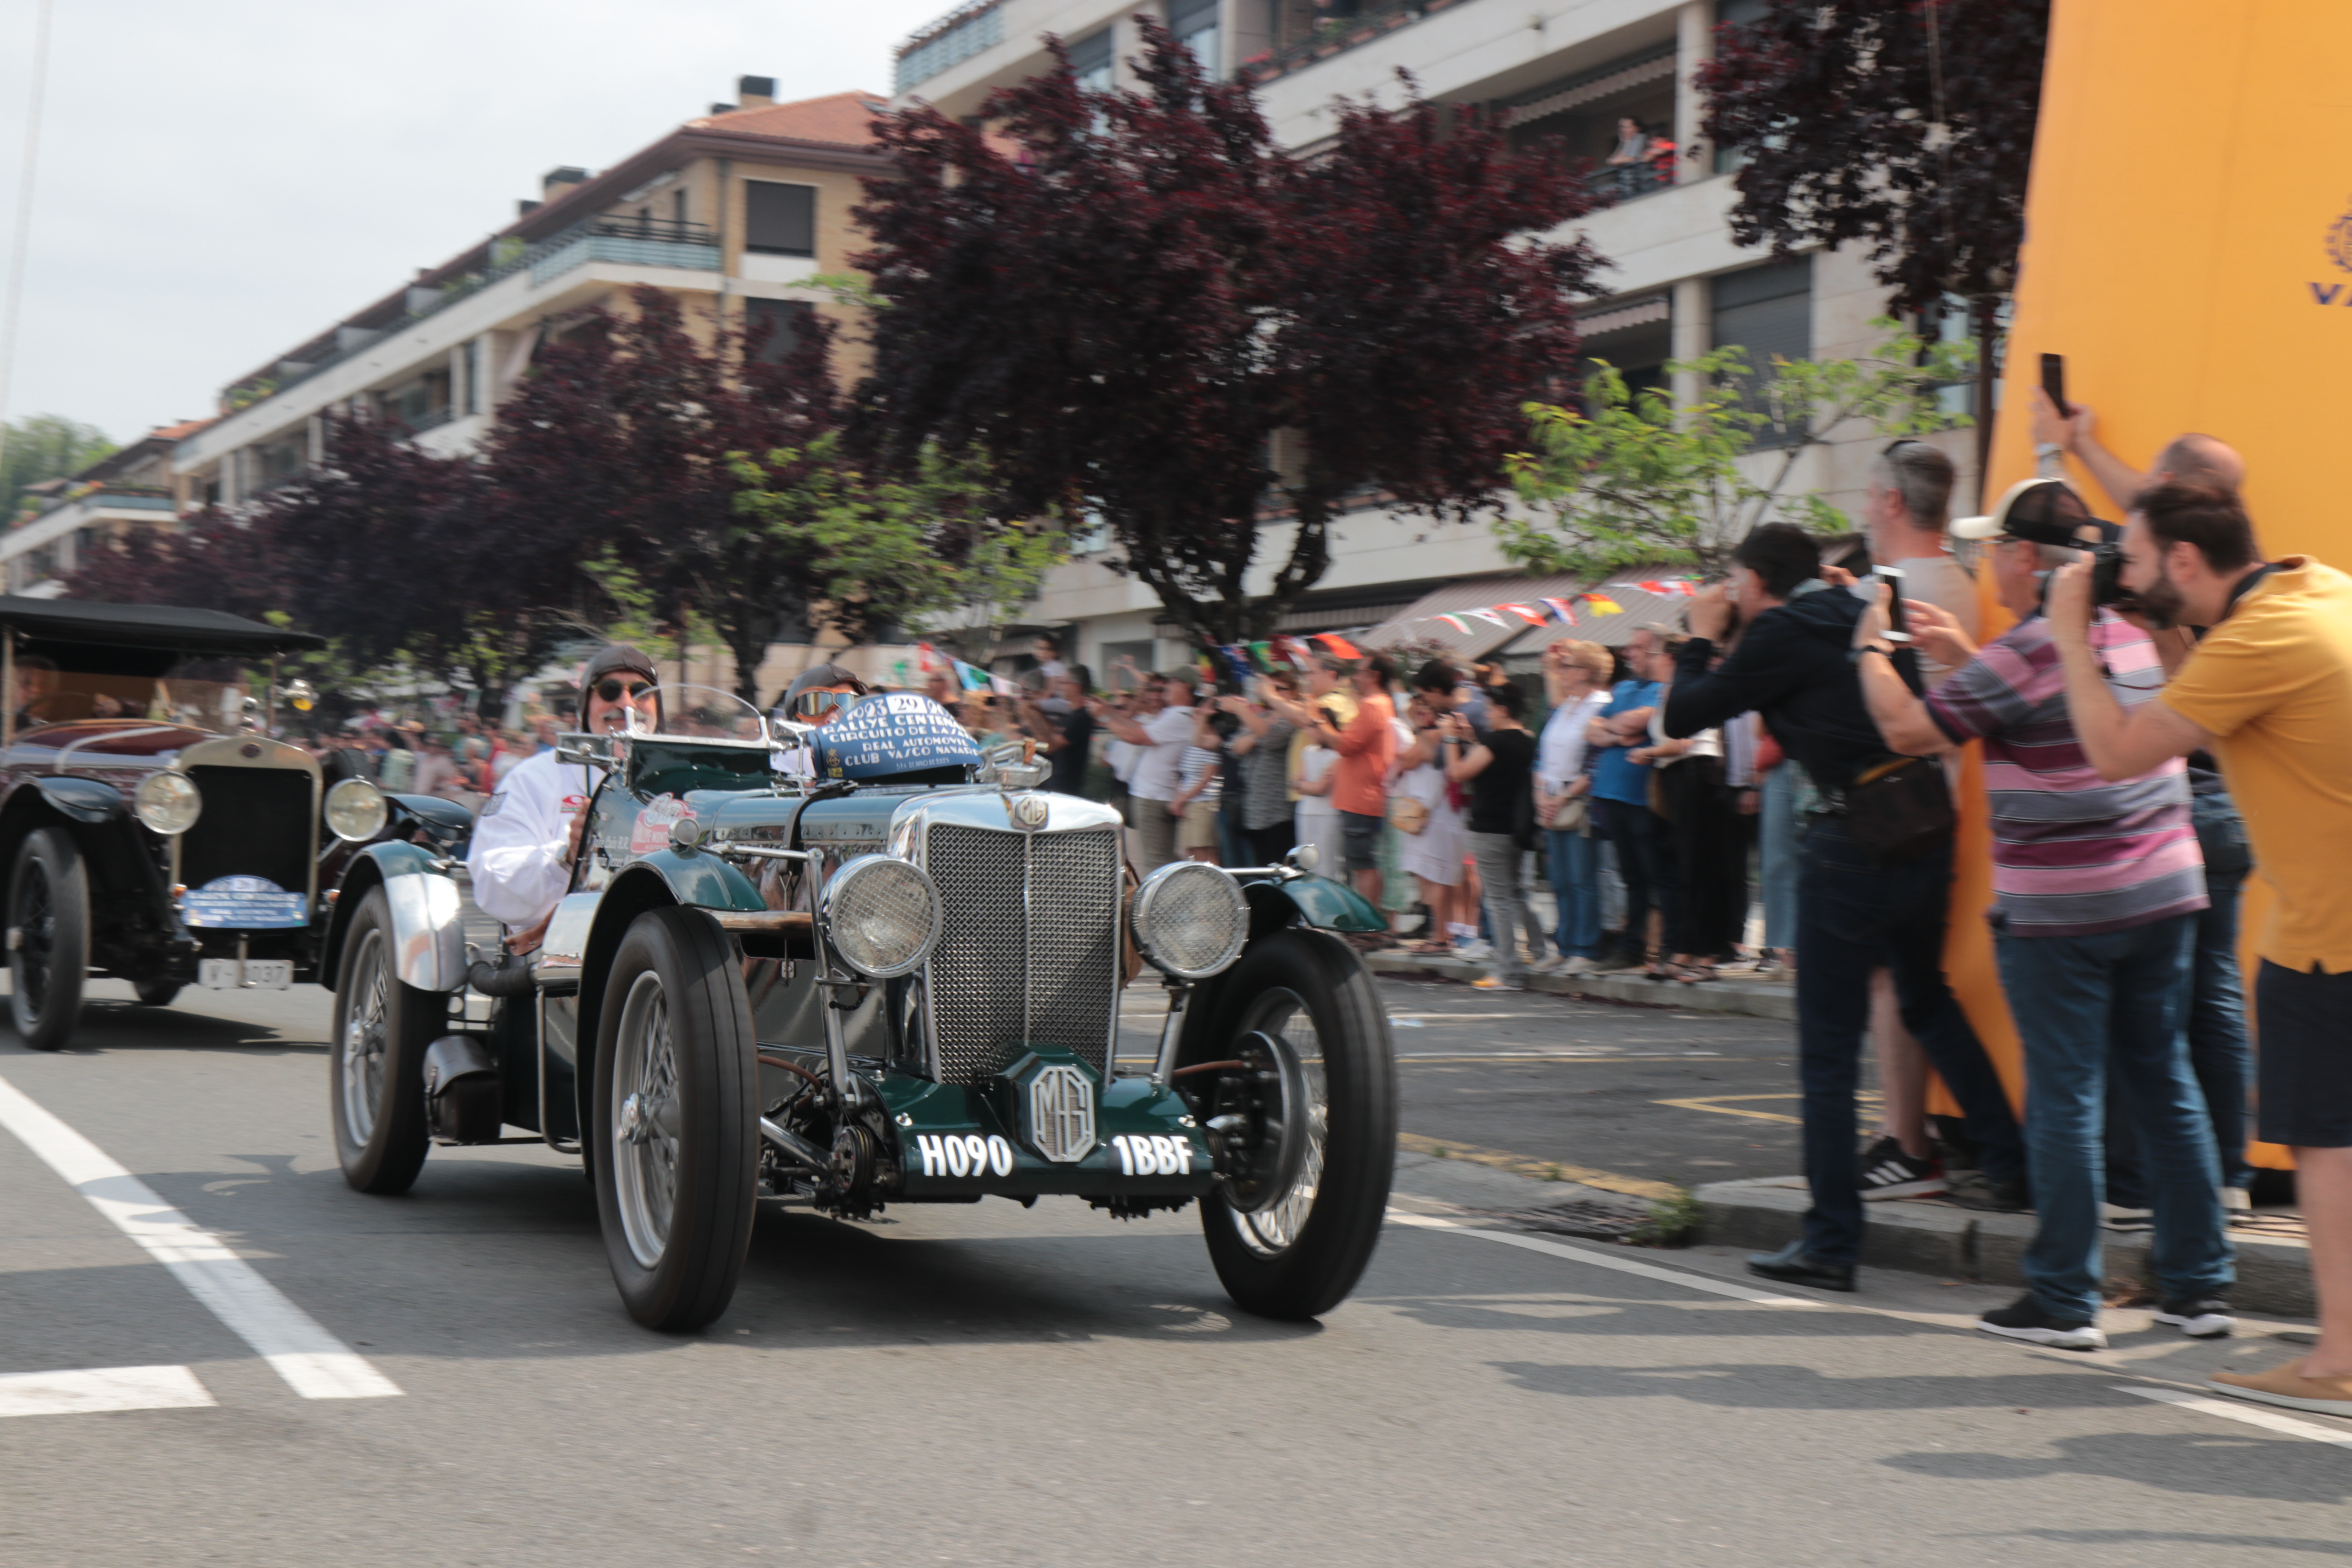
point(529, 832)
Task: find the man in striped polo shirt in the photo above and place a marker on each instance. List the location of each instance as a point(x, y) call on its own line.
point(2097, 887)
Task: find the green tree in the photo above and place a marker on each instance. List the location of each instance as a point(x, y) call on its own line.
point(873, 551)
point(45, 447)
point(1631, 478)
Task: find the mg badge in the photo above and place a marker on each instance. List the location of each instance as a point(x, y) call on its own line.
point(1032, 810)
point(1061, 1114)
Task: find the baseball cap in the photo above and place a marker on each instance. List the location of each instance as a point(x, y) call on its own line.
point(2044, 511)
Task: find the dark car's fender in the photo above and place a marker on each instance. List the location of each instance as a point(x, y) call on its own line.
point(91, 801)
point(1317, 902)
point(428, 915)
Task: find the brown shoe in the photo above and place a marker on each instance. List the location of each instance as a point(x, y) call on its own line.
point(2284, 1385)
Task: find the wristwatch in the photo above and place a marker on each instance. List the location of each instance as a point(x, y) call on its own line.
point(1855, 655)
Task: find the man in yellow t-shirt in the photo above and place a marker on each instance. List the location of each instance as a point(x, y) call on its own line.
point(2269, 692)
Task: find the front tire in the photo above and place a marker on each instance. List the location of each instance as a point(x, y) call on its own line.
point(48, 937)
point(1297, 1253)
point(676, 1120)
point(376, 1075)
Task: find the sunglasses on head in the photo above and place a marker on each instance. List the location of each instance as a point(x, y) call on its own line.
point(809, 704)
point(611, 691)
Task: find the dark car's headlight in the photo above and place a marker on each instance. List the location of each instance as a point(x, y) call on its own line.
point(356, 811)
point(168, 803)
point(881, 914)
point(1191, 920)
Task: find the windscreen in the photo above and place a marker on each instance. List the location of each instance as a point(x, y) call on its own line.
point(218, 695)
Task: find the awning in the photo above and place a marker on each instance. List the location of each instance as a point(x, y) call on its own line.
point(1419, 626)
point(172, 627)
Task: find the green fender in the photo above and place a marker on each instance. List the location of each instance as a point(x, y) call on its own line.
point(380, 864)
point(703, 881)
point(1317, 902)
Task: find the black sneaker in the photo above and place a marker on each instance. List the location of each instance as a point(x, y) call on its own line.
point(1888, 1172)
point(1977, 1191)
point(2199, 1317)
point(2024, 1318)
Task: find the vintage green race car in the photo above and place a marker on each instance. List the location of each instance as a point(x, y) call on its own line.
point(894, 977)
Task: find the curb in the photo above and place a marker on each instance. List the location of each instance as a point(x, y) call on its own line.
point(1753, 998)
point(2273, 1272)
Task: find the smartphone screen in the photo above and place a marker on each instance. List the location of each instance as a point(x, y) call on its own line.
point(1898, 626)
point(2053, 382)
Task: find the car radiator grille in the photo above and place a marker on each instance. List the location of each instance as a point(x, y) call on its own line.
point(256, 822)
point(1030, 951)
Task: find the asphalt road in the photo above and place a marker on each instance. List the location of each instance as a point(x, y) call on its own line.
point(990, 1384)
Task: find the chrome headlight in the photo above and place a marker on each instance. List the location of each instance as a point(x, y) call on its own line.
point(1191, 920)
point(168, 803)
point(881, 914)
point(356, 811)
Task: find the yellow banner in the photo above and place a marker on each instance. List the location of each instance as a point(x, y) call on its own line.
point(2189, 251)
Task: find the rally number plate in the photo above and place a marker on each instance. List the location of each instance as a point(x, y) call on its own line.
point(253, 974)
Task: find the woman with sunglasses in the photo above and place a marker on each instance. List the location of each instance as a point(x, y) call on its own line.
point(527, 833)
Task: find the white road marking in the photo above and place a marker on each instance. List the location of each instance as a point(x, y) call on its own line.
point(2251, 1415)
point(100, 1388)
point(1606, 1260)
point(314, 1364)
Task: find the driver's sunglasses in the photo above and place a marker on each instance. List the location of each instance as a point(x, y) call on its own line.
point(611, 691)
point(809, 704)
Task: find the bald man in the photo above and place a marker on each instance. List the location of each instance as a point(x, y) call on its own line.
point(2219, 1051)
point(2190, 459)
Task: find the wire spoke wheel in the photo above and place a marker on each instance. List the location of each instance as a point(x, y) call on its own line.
point(1275, 1227)
point(1293, 1224)
point(646, 1120)
point(673, 1112)
point(362, 1039)
point(36, 922)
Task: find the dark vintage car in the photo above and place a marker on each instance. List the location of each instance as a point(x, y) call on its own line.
point(151, 830)
point(895, 980)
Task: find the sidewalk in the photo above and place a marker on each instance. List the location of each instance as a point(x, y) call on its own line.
point(1738, 992)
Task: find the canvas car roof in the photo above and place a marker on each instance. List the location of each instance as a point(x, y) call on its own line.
point(172, 627)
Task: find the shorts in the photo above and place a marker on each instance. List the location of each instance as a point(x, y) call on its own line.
point(1198, 829)
point(2304, 1066)
point(1359, 837)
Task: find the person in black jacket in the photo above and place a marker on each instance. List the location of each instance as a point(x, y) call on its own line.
point(1794, 666)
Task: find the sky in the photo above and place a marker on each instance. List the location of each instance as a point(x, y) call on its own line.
point(219, 182)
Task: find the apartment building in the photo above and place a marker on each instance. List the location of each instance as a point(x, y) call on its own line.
point(733, 212)
point(1575, 68)
point(133, 488)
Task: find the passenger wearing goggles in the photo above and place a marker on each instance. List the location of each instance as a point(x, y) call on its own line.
point(817, 696)
point(528, 834)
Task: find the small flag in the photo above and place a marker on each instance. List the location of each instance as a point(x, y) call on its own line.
point(1526, 613)
point(973, 676)
point(1338, 645)
point(1262, 654)
point(1237, 658)
point(1300, 656)
point(1562, 608)
point(1002, 687)
point(1671, 588)
point(1490, 616)
point(1456, 622)
point(1601, 605)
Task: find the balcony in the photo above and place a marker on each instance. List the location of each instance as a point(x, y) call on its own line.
point(1614, 183)
point(1338, 34)
point(952, 39)
point(632, 241)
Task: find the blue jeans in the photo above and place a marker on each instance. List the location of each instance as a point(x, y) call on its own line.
point(1851, 919)
point(1572, 863)
point(2218, 1050)
point(1776, 832)
point(2084, 1005)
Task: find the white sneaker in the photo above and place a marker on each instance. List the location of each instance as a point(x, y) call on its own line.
point(1476, 951)
point(2123, 1221)
point(1549, 964)
point(1576, 967)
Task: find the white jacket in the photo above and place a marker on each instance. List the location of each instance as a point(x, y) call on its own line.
point(521, 838)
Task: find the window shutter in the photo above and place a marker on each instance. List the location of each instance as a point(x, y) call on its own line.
point(779, 219)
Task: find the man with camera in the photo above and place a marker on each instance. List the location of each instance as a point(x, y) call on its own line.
point(2269, 691)
point(1857, 910)
point(2097, 884)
